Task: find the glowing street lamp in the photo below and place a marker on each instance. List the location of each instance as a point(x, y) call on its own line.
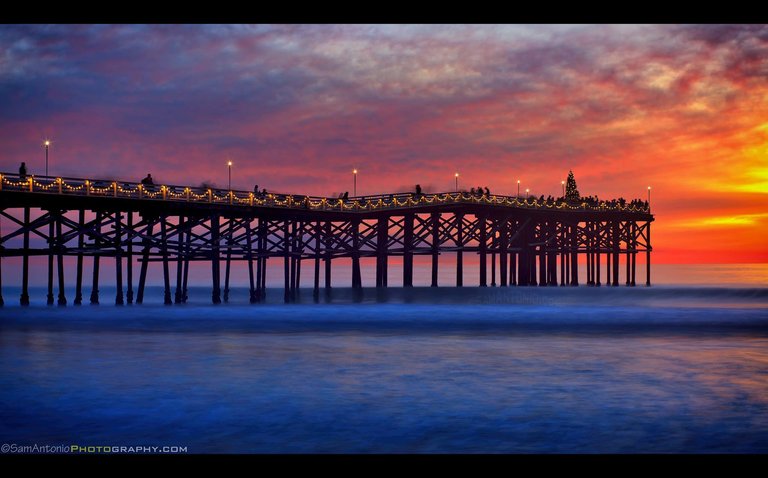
point(47, 144)
point(649, 196)
point(518, 188)
point(354, 182)
point(456, 177)
point(229, 170)
point(562, 183)
point(526, 193)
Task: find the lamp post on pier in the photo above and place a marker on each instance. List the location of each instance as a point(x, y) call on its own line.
point(47, 144)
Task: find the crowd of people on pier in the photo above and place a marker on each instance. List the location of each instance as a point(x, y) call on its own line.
point(478, 192)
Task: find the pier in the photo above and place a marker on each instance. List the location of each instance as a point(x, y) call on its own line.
point(162, 228)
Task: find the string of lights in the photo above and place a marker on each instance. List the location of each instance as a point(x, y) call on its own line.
point(76, 186)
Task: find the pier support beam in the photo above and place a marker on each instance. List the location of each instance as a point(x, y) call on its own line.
point(24, 299)
point(542, 254)
point(118, 259)
point(286, 261)
point(382, 235)
point(129, 259)
point(616, 237)
point(62, 299)
point(513, 268)
point(79, 264)
point(166, 270)
point(215, 260)
point(316, 288)
point(249, 245)
point(634, 252)
point(328, 254)
point(628, 242)
point(51, 245)
point(228, 260)
point(482, 224)
point(435, 226)
point(408, 250)
point(503, 254)
point(574, 236)
point(96, 260)
point(178, 296)
point(147, 243)
point(185, 274)
point(459, 249)
point(598, 247)
point(648, 255)
point(357, 279)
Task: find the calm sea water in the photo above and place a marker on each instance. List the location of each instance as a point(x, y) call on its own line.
point(670, 368)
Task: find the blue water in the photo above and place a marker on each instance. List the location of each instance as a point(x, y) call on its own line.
point(542, 370)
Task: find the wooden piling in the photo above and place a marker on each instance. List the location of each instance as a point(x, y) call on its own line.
point(483, 239)
point(435, 229)
point(96, 259)
point(119, 300)
point(408, 250)
point(129, 258)
point(147, 243)
point(459, 249)
point(166, 271)
point(51, 245)
point(178, 296)
point(357, 280)
point(215, 259)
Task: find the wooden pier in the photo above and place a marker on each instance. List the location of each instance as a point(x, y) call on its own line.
point(526, 242)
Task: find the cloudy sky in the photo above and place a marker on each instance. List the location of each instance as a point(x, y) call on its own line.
point(296, 108)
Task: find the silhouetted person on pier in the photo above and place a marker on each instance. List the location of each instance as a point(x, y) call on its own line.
point(264, 193)
point(23, 171)
point(148, 180)
point(487, 191)
point(255, 189)
point(472, 191)
point(418, 190)
point(345, 196)
point(480, 191)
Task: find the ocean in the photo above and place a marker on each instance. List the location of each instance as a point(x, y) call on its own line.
point(679, 367)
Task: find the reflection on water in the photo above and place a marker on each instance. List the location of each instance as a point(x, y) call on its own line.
point(557, 377)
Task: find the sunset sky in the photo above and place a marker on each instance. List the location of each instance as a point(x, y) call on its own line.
point(296, 108)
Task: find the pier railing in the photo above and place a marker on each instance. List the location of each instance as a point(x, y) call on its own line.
point(163, 192)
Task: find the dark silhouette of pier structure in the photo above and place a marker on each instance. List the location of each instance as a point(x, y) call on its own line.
point(523, 241)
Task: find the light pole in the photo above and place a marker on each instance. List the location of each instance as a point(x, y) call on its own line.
point(229, 170)
point(518, 188)
point(456, 177)
point(526, 193)
point(354, 182)
point(649, 197)
point(562, 183)
point(47, 144)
